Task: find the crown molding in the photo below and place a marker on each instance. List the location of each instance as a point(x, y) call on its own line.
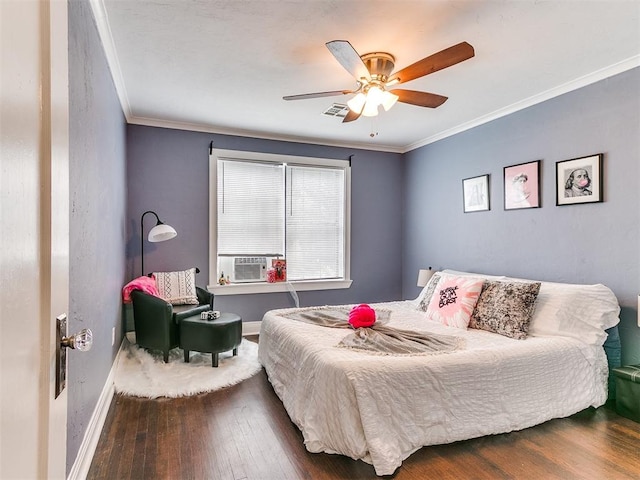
point(580, 82)
point(106, 38)
point(195, 127)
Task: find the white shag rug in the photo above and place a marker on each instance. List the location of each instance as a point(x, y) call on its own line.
point(144, 374)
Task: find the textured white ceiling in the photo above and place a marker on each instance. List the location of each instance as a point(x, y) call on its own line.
point(224, 66)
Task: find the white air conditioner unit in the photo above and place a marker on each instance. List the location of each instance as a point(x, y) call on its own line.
point(249, 269)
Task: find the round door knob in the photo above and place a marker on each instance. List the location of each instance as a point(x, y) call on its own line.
point(80, 341)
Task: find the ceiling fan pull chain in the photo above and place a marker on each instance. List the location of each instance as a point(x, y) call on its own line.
point(374, 127)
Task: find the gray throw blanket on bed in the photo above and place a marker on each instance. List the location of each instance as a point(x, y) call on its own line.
point(378, 338)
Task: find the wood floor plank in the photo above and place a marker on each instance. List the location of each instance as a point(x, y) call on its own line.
point(244, 433)
point(124, 455)
point(166, 450)
point(151, 442)
point(140, 446)
point(102, 457)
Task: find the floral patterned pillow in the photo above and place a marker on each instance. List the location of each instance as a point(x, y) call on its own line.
point(505, 308)
point(453, 300)
point(428, 292)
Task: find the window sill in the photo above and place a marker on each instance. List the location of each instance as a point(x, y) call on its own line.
point(264, 287)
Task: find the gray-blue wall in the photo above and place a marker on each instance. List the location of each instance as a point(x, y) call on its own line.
point(589, 243)
point(168, 172)
point(97, 219)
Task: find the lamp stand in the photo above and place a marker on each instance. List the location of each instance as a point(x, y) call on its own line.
point(159, 233)
point(142, 238)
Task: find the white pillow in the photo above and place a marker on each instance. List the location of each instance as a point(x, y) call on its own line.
point(476, 275)
point(177, 288)
point(582, 312)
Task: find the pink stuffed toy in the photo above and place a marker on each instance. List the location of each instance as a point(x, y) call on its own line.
point(362, 316)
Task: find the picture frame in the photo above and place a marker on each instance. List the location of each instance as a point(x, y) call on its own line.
point(522, 186)
point(475, 194)
point(579, 180)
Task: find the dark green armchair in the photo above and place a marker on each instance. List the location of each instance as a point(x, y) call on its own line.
point(157, 322)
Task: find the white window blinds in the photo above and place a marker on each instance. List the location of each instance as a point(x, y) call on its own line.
point(315, 223)
point(250, 208)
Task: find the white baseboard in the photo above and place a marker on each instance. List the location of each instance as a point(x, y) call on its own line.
point(80, 468)
point(250, 328)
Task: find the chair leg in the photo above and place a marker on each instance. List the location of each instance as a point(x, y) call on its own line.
point(186, 356)
point(235, 351)
point(166, 356)
point(214, 359)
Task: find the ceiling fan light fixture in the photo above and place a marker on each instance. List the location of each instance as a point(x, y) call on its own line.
point(388, 100)
point(370, 109)
point(374, 74)
point(357, 102)
point(375, 95)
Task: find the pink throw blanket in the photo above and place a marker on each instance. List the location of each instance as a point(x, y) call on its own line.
point(146, 284)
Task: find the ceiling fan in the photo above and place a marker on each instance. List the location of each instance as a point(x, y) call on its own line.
point(373, 74)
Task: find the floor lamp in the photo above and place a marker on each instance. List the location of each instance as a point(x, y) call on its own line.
point(159, 233)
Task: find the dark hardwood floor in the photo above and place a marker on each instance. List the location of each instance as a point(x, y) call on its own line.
point(243, 432)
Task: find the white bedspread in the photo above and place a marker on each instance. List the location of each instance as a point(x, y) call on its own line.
point(381, 409)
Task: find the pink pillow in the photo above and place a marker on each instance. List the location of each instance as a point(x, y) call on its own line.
point(362, 316)
point(454, 299)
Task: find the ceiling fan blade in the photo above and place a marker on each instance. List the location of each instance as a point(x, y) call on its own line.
point(443, 59)
point(351, 116)
point(304, 96)
point(349, 59)
point(421, 99)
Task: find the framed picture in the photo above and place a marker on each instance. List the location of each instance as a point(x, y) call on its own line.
point(579, 180)
point(475, 193)
point(522, 186)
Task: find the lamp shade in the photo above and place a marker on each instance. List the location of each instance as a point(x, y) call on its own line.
point(389, 100)
point(357, 102)
point(375, 95)
point(424, 276)
point(161, 232)
point(370, 109)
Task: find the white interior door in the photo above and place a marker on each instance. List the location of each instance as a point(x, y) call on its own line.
point(34, 218)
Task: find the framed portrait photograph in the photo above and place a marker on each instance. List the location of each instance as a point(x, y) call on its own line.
point(579, 180)
point(475, 194)
point(522, 186)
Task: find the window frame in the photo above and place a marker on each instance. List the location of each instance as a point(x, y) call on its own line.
point(264, 287)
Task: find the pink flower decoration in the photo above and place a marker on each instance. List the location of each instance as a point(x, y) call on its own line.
point(271, 275)
point(362, 316)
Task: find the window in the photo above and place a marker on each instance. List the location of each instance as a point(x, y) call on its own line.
point(266, 207)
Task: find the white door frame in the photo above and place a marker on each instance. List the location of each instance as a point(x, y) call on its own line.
point(34, 238)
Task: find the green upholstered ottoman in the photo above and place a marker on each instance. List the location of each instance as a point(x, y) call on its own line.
point(211, 336)
point(628, 391)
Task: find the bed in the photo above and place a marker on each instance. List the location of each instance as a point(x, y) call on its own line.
point(380, 408)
